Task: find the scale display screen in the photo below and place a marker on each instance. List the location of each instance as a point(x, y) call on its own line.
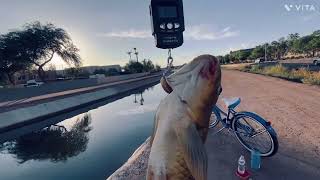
point(167, 11)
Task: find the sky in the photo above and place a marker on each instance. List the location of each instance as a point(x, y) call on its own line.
point(104, 30)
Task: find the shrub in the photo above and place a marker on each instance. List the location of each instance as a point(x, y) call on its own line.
point(278, 71)
point(256, 69)
point(312, 78)
point(300, 75)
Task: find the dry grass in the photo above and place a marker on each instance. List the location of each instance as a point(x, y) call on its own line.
point(301, 75)
point(235, 66)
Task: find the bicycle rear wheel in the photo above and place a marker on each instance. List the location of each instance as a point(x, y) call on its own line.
point(255, 134)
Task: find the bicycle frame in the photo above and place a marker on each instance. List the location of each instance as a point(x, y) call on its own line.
point(228, 119)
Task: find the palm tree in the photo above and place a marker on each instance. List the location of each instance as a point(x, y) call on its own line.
point(136, 53)
point(129, 53)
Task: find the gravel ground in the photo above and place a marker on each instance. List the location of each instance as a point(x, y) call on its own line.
point(292, 108)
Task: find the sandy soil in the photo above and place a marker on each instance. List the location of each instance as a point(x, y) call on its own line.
point(292, 108)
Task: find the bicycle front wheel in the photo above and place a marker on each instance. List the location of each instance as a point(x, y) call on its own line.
point(254, 134)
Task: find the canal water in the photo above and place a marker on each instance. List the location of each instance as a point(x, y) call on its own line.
point(90, 145)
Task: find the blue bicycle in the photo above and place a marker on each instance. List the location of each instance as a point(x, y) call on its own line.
point(252, 131)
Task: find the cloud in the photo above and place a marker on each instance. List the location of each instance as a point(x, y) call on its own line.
point(197, 32)
point(132, 33)
point(206, 32)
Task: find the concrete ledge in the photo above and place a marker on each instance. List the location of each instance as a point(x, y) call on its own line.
point(28, 115)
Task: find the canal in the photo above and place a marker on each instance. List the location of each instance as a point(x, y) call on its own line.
point(88, 145)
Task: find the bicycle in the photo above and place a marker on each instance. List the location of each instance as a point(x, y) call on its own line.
point(244, 124)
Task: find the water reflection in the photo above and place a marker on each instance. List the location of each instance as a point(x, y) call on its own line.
point(141, 95)
point(54, 143)
point(141, 99)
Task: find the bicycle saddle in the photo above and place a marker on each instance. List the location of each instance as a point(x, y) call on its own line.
point(231, 103)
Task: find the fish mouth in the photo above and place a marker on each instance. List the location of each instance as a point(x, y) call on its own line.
point(165, 85)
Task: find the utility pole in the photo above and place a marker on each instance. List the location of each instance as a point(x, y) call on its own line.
point(136, 53)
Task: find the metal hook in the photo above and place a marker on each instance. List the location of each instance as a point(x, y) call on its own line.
point(169, 63)
point(170, 59)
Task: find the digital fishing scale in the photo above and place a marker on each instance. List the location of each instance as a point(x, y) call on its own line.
point(167, 23)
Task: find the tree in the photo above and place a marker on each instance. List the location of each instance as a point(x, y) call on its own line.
point(290, 41)
point(134, 67)
point(41, 42)
point(272, 49)
point(157, 68)
point(147, 65)
point(303, 45)
point(138, 67)
point(12, 56)
point(314, 44)
point(243, 55)
point(227, 58)
point(73, 72)
point(220, 59)
point(282, 48)
point(257, 52)
point(232, 57)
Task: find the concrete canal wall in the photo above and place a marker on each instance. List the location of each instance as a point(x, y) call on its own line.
point(136, 166)
point(40, 112)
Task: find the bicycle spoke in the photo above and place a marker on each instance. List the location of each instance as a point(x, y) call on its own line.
point(258, 133)
point(253, 134)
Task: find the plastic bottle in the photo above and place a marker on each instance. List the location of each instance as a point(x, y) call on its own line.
point(241, 165)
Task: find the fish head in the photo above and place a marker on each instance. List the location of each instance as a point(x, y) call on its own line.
point(198, 82)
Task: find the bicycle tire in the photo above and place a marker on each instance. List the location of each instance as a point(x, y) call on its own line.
point(259, 120)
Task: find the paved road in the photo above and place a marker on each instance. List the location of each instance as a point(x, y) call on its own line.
point(293, 109)
point(9, 105)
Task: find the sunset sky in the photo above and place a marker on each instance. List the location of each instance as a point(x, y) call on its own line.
point(104, 30)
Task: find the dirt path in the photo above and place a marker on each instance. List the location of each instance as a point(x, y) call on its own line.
point(293, 109)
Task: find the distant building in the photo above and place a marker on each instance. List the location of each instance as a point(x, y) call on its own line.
point(22, 77)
